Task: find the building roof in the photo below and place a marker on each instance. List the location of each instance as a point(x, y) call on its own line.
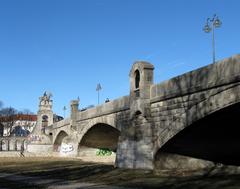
point(18, 117)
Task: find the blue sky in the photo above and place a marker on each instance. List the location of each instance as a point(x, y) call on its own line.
point(68, 46)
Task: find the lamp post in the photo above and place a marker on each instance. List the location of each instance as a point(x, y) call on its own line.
point(215, 23)
point(64, 110)
point(98, 89)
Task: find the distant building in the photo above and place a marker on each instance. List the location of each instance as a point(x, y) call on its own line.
point(21, 124)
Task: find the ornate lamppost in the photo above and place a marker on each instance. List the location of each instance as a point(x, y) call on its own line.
point(98, 90)
point(64, 110)
point(215, 23)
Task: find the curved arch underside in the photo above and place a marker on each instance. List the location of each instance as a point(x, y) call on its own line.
point(59, 138)
point(101, 136)
point(215, 138)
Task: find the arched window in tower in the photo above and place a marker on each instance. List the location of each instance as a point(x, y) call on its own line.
point(137, 79)
point(44, 123)
point(137, 83)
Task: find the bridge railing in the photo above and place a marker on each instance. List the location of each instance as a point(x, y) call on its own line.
point(61, 123)
point(13, 143)
point(214, 75)
point(110, 107)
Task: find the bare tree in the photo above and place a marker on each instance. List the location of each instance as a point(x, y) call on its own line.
point(26, 112)
point(8, 118)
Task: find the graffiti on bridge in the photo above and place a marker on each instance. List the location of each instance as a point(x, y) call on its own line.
point(104, 152)
point(66, 148)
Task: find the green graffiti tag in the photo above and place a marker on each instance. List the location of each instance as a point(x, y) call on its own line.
point(104, 152)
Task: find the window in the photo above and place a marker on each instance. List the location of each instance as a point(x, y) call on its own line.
point(44, 122)
point(137, 79)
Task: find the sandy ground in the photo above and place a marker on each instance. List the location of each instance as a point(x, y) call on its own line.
point(58, 173)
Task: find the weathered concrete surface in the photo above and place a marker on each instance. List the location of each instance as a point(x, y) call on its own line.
point(111, 107)
point(41, 150)
point(10, 154)
point(166, 161)
point(152, 115)
point(181, 101)
point(215, 75)
point(90, 155)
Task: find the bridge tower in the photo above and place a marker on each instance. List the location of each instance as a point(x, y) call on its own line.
point(74, 111)
point(39, 141)
point(141, 79)
point(137, 138)
point(45, 113)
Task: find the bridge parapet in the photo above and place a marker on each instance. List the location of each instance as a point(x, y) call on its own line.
point(12, 143)
point(61, 123)
point(13, 138)
point(214, 75)
point(114, 106)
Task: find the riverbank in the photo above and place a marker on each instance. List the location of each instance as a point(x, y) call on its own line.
point(62, 173)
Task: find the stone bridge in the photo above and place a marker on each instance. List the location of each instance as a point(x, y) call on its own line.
point(189, 120)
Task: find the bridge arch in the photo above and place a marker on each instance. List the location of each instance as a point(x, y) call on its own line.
point(211, 134)
point(11, 144)
point(4, 145)
point(99, 142)
point(197, 112)
point(104, 120)
point(59, 139)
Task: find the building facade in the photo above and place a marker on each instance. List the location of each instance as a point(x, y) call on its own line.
point(17, 125)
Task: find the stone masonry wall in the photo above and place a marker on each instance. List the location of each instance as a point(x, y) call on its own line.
point(172, 115)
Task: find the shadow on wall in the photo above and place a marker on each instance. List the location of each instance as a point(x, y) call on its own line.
point(214, 138)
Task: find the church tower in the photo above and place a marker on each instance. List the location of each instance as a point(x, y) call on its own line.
point(39, 141)
point(44, 119)
point(45, 113)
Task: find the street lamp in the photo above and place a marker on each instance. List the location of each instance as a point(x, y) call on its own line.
point(98, 90)
point(64, 110)
point(216, 23)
